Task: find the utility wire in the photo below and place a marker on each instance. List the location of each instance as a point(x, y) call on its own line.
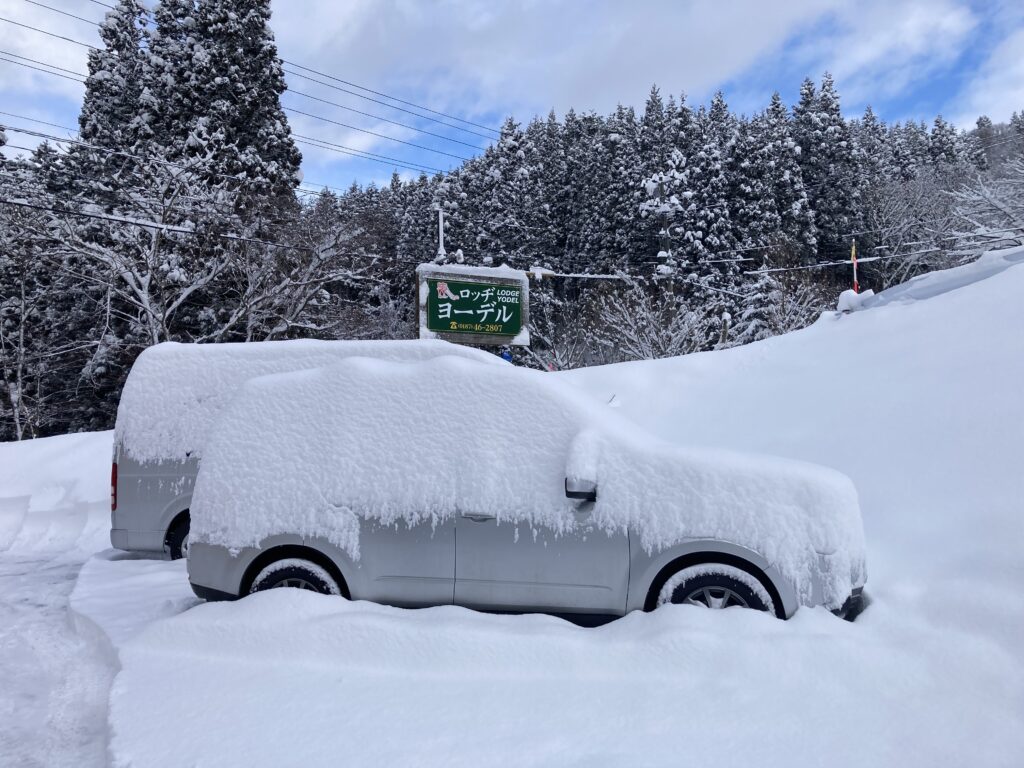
point(40, 69)
point(383, 119)
point(384, 103)
point(289, 109)
point(36, 61)
point(51, 34)
point(374, 133)
point(62, 13)
point(348, 150)
point(149, 224)
point(308, 69)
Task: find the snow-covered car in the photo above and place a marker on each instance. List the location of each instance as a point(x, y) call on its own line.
point(173, 395)
point(503, 489)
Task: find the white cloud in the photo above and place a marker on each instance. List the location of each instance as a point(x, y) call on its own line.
point(490, 58)
point(997, 89)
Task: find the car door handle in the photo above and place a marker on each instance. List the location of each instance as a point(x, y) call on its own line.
point(478, 518)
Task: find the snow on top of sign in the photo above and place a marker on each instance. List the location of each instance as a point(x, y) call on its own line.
point(313, 452)
point(175, 392)
point(502, 271)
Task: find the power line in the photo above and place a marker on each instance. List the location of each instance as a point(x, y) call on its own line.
point(374, 133)
point(40, 69)
point(51, 34)
point(289, 109)
point(62, 13)
point(347, 150)
point(150, 224)
point(293, 64)
point(393, 98)
point(35, 61)
point(320, 144)
point(384, 119)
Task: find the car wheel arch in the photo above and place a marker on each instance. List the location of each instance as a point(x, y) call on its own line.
point(181, 518)
point(709, 558)
point(286, 551)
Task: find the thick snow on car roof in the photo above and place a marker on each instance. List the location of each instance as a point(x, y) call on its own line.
point(175, 392)
point(312, 452)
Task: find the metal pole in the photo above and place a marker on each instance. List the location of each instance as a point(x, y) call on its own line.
point(853, 258)
point(440, 234)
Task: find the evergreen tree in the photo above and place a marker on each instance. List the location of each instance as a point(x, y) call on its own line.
point(943, 143)
point(830, 163)
point(242, 129)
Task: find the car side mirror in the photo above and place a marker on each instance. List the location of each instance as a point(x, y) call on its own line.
point(585, 490)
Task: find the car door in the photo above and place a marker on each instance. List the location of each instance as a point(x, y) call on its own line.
point(514, 567)
point(403, 565)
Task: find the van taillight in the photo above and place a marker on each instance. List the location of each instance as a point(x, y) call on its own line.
point(113, 487)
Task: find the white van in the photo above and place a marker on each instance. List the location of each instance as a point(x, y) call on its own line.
point(172, 398)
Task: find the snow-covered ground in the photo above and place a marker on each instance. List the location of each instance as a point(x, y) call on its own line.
point(917, 399)
point(55, 666)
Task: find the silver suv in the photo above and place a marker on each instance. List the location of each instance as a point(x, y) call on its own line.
point(503, 489)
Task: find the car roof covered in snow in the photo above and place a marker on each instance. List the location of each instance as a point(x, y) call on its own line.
point(312, 452)
point(175, 392)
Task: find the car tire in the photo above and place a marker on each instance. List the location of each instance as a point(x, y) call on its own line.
point(715, 585)
point(295, 573)
point(177, 539)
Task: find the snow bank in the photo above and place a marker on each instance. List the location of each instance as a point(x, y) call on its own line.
point(943, 281)
point(175, 391)
point(123, 593)
point(293, 678)
point(311, 452)
point(918, 402)
point(55, 494)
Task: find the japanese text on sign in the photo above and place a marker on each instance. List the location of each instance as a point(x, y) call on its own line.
point(466, 307)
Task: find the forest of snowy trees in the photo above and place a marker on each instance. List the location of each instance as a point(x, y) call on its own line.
point(176, 215)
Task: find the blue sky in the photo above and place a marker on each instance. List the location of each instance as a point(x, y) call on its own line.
point(483, 60)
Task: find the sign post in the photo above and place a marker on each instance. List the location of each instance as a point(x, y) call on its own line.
point(480, 306)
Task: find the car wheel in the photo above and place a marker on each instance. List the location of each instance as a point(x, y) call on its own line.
point(716, 586)
point(177, 540)
point(297, 574)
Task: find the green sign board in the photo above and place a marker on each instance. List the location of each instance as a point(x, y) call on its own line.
point(463, 307)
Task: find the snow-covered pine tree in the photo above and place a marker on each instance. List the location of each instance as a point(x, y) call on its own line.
point(109, 118)
point(768, 203)
point(502, 236)
point(943, 143)
point(830, 162)
point(243, 131)
point(758, 316)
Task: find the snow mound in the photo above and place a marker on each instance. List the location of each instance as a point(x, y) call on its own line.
point(288, 677)
point(175, 391)
point(851, 301)
point(943, 281)
point(313, 451)
point(55, 494)
point(123, 594)
point(918, 402)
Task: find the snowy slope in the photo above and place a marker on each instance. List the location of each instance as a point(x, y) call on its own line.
point(917, 400)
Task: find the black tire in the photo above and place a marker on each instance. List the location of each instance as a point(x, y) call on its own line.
point(177, 539)
point(298, 574)
point(718, 590)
